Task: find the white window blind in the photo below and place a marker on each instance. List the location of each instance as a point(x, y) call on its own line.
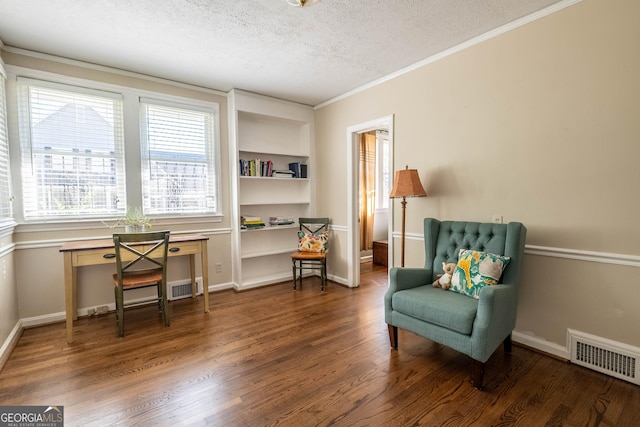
point(178, 164)
point(72, 151)
point(6, 213)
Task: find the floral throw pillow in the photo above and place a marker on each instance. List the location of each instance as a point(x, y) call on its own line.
point(317, 242)
point(475, 270)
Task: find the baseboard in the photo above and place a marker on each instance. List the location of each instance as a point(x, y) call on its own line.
point(541, 345)
point(10, 343)
point(338, 279)
point(30, 322)
point(221, 287)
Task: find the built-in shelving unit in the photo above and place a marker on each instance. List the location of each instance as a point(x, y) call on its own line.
point(266, 129)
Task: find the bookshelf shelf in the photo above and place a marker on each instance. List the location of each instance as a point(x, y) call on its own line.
point(272, 178)
point(270, 228)
point(278, 135)
point(268, 253)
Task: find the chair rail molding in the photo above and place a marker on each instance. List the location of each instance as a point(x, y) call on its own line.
point(581, 255)
point(549, 251)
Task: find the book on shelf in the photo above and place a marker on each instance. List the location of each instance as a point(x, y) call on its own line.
point(256, 167)
point(278, 220)
point(299, 170)
point(295, 168)
point(251, 222)
point(282, 174)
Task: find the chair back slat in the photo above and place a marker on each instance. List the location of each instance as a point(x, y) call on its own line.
point(314, 225)
point(151, 247)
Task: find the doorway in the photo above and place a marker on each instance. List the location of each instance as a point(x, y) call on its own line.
point(382, 128)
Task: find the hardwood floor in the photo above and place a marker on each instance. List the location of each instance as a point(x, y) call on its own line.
point(272, 356)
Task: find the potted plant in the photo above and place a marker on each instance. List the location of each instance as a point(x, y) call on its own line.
point(134, 221)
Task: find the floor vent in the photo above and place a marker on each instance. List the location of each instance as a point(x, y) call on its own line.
point(606, 356)
point(182, 289)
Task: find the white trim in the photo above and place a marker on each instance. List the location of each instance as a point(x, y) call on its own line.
point(7, 228)
point(107, 224)
point(455, 49)
point(46, 319)
point(10, 343)
point(541, 344)
point(7, 249)
point(576, 254)
point(408, 236)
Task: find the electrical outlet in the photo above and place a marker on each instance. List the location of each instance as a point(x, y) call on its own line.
point(498, 219)
point(102, 309)
point(91, 311)
point(218, 267)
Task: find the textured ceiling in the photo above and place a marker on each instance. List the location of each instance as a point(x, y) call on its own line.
point(309, 54)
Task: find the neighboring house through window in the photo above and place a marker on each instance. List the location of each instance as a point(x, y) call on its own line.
point(72, 152)
point(178, 174)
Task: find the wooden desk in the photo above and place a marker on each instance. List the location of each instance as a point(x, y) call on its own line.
point(94, 252)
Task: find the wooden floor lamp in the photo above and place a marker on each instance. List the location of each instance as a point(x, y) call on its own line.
point(406, 184)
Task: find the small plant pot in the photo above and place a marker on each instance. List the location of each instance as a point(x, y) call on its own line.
point(135, 228)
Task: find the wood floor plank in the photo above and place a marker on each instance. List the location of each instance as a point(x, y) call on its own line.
point(275, 357)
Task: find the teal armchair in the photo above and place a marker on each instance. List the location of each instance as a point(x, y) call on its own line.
point(475, 327)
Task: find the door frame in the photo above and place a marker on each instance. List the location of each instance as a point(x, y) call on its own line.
point(353, 155)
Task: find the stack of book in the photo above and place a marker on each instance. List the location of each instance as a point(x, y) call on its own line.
point(278, 220)
point(256, 167)
point(282, 174)
point(251, 222)
point(299, 170)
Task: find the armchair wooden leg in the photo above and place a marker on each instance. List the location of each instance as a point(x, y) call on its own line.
point(393, 336)
point(477, 373)
point(508, 347)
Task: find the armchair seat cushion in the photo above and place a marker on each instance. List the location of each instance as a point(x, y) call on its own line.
point(436, 306)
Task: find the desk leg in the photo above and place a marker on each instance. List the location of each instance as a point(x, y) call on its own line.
point(192, 269)
point(70, 303)
point(204, 261)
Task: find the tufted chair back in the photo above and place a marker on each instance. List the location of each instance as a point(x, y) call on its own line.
point(444, 239)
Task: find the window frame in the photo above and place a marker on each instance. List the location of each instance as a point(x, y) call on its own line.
point(131, 95)
point(211, 148)
point(24, 89)
point(6, 189)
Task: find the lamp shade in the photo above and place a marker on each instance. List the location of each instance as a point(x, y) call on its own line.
point(407, 184)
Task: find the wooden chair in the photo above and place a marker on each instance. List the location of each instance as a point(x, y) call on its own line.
point(141, 261)
point(312, 249)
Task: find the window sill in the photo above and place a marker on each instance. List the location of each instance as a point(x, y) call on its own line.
point(103, 225)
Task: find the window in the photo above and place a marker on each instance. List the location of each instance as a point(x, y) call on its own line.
point(6, 213)
point(178, 145)
point(75, 165)
point(72, 151)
